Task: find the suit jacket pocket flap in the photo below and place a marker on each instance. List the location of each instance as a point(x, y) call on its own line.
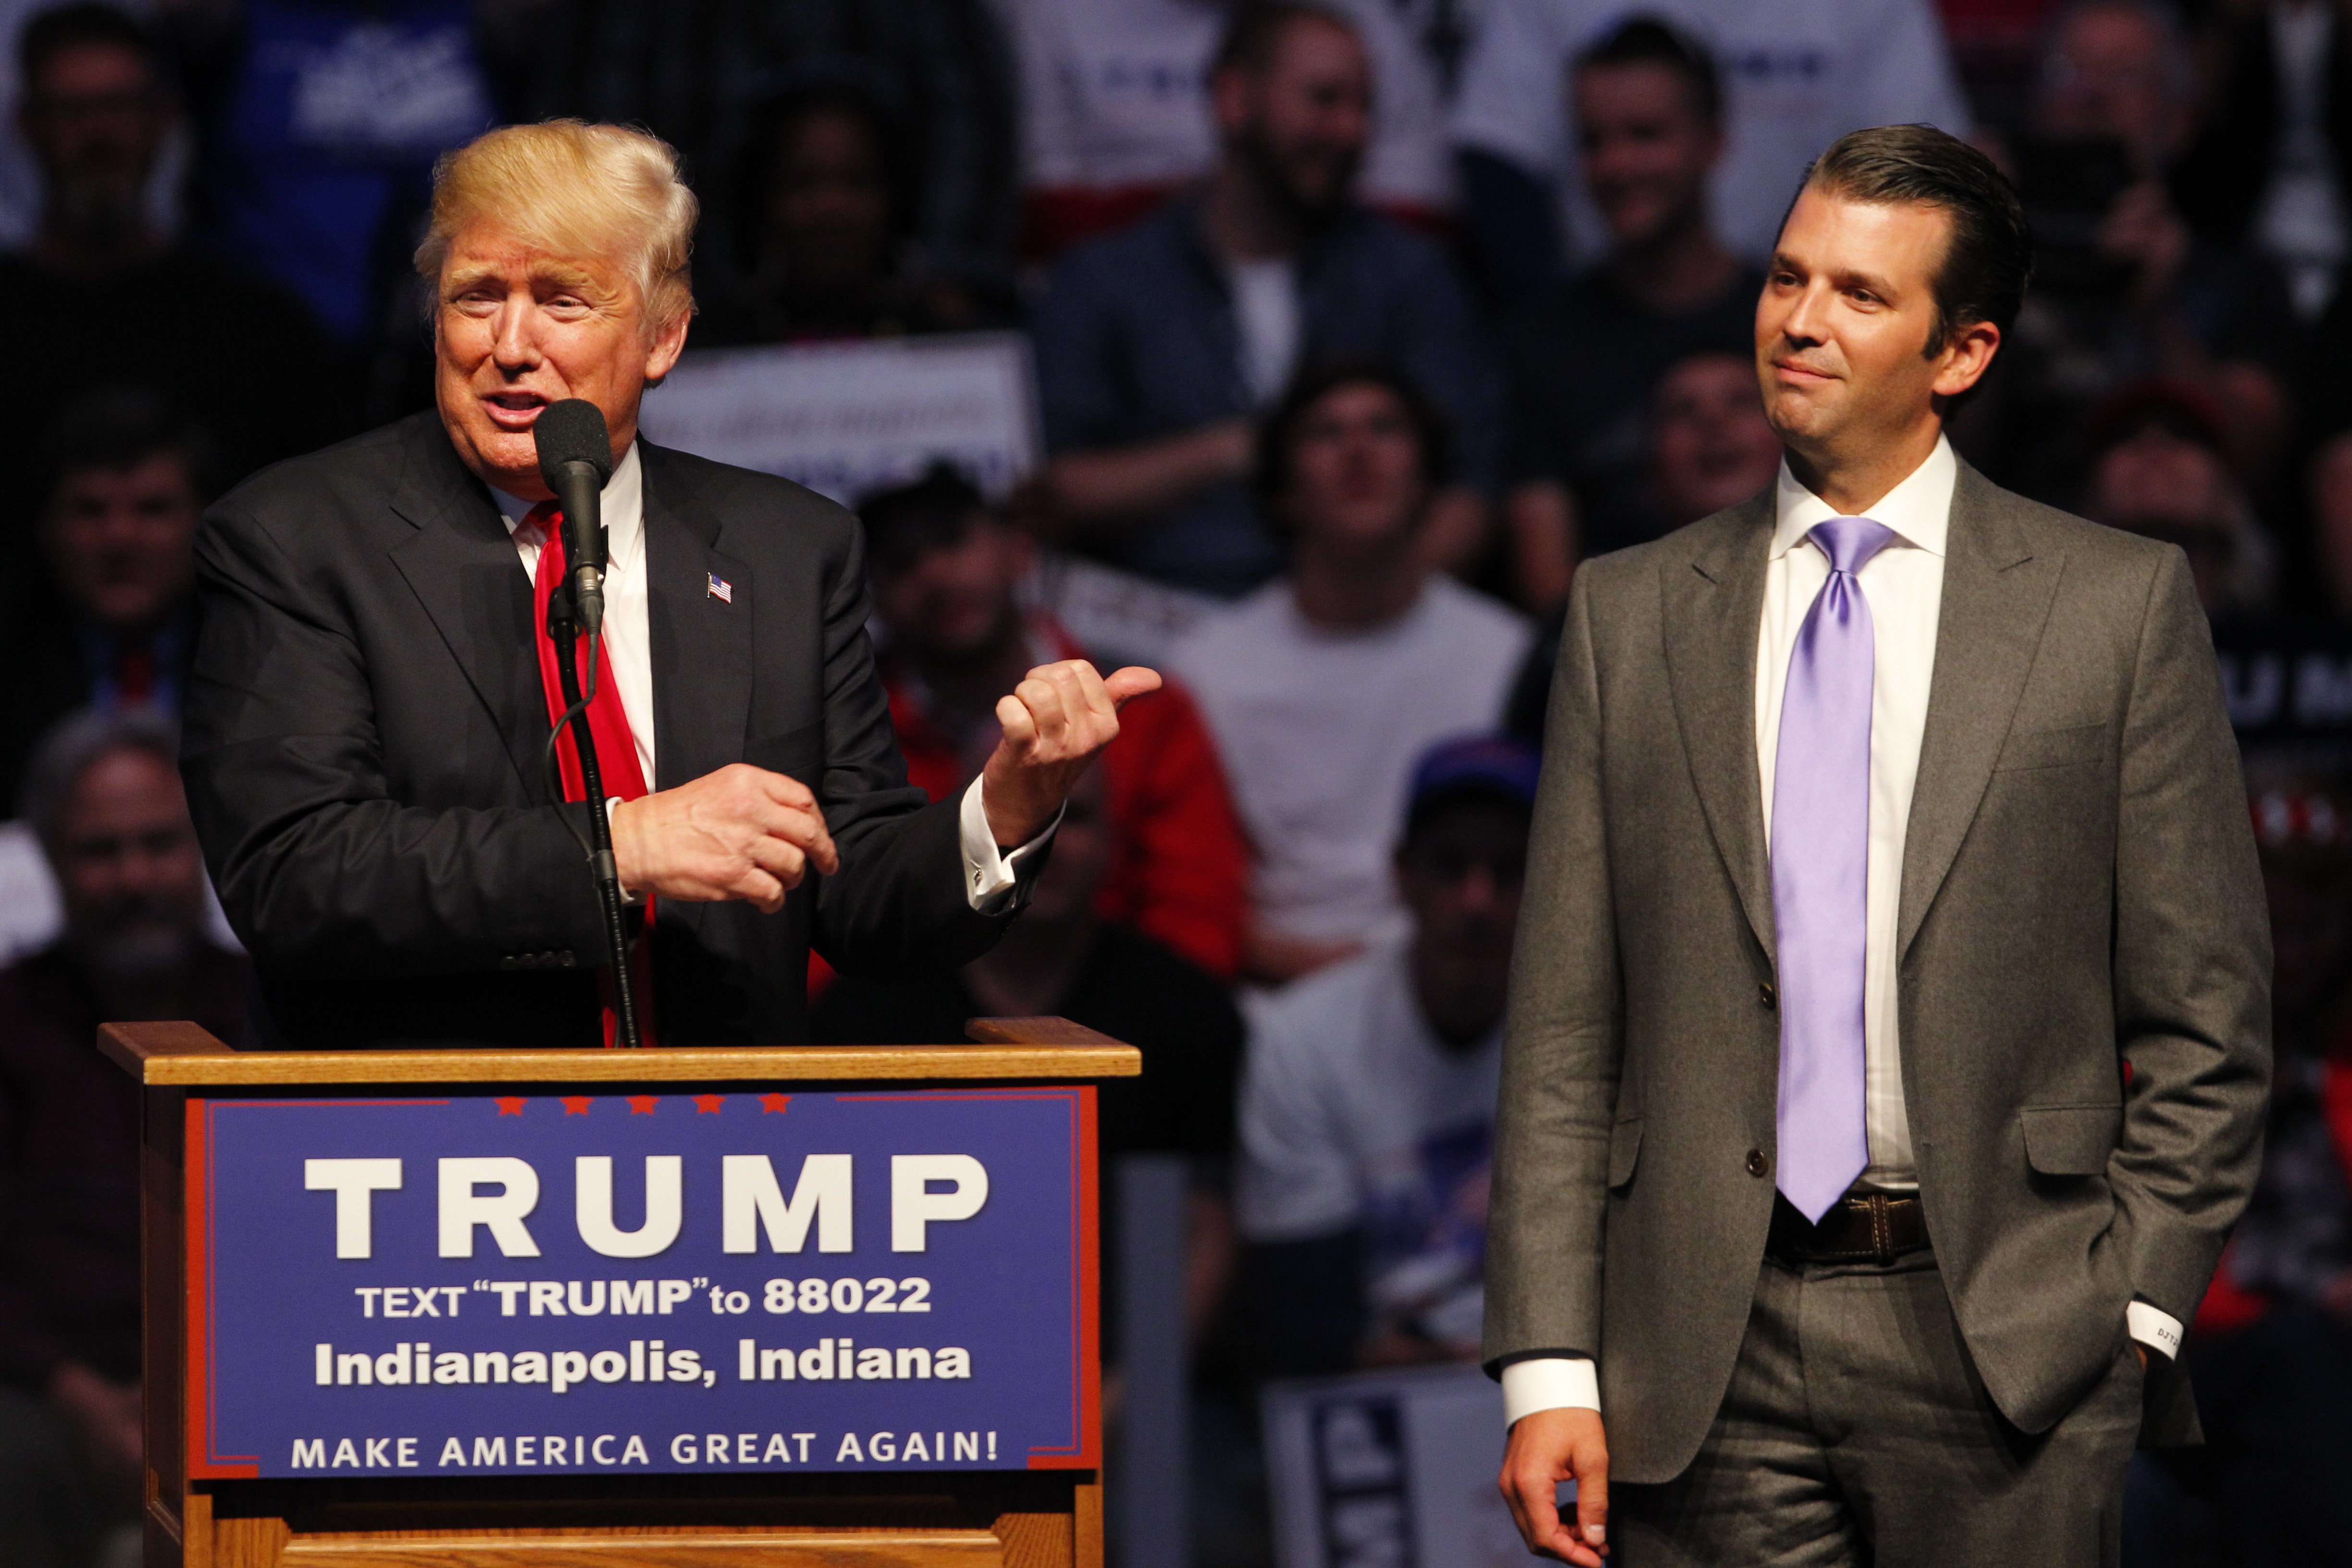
point(2071, 1140)
point(2053, 748)
point(1624, 1148)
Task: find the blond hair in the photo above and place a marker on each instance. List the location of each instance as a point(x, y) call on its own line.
point(575, 190)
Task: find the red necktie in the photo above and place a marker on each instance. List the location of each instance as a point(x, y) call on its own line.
point(616, 747)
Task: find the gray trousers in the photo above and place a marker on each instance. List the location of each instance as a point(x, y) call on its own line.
point(1855, 1431)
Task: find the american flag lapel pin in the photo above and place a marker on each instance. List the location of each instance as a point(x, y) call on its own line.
point(721, 589)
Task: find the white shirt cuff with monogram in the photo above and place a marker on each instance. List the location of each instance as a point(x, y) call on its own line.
point(989, 872)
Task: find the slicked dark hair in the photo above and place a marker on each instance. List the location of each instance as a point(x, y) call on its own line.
point(1989, 261)
point(1647, 41)
point(1255, 31)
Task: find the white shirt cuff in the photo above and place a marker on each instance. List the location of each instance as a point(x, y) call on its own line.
point(2155, 1328)
point(629, 900)
point(1549, 1383)
point(989, 873)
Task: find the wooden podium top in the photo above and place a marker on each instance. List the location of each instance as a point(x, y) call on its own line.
point(180, 1054)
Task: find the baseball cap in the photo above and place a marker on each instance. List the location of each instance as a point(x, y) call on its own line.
point(1500, 765)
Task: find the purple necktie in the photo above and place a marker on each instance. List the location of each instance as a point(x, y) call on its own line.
point(1820, 876)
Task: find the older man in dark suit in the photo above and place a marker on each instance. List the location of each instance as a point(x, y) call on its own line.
point(1890, 1028)
point(374, 681)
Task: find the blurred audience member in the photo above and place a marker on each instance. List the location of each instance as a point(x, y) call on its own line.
point(318, 125)
point(1649, 121)
point(2270, 164)
point(1367, 1104)
point(126, 483)
point(1061, 958)
point(1323, 687)
point(2271, 1353)
point(824, 205)
point(1802, 74)
point(2159, 467)
point(1158, 346)
point(101, 294)
point(1710, 446)
point(1114, 111)
point(947, 568)
point(2122, 287)
point(2331, 516)
point(104, 795)
point(698, 76)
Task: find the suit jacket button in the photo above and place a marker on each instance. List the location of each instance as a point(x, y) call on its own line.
point(1768, 996)
point(1756, 1163)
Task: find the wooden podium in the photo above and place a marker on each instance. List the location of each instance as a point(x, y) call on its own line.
point(1037, 1517)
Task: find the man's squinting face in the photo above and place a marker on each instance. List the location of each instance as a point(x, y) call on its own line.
point(1842, 325)
point(517, 329)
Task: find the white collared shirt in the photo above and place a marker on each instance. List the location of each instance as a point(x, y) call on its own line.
point(989, 872)
point(1904, 585)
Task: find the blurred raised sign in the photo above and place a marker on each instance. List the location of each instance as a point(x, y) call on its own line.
point(1389, 1470)
point(847, 419)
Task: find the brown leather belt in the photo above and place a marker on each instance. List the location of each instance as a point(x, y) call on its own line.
point(1861, 1227)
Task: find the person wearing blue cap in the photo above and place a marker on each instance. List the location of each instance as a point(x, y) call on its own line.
point(1368, 1101)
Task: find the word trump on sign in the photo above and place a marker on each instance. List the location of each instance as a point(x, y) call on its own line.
point(491, 1284)
point(925, 1190)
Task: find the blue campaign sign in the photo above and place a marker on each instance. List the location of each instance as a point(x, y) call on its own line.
point(642, 1283)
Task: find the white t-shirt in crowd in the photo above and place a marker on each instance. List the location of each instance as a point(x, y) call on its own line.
point(1319, 730)
point(1796, 75)
point(1114, 93)
point(1266, 315)
point(1353, 1113)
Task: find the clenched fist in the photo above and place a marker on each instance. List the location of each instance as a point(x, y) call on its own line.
point(1056, 721)
point(742, 833)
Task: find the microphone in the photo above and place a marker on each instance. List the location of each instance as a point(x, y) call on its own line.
point(576, 459)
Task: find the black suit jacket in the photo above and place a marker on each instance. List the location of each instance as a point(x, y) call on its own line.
point(364, 730)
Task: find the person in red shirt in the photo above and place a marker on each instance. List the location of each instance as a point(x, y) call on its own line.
point(946, 569)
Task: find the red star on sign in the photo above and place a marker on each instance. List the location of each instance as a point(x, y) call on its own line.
point(708, 1104)
point(509, 1105)
point(775, 1102)
point(576, 1105)
point(643, 1104)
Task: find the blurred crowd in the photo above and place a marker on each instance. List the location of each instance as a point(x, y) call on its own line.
point(1357, 325)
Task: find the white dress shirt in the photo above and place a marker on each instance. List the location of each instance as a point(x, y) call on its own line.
point(989, 872)
point(1904, 585)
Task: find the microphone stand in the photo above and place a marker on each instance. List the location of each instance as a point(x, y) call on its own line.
point(564, 628)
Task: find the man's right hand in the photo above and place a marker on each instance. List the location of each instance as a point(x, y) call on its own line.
point(742, 834)
point(1547, 1447)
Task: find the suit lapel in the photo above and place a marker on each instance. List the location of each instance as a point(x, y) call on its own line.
point(1714, 600)
point(1999, 582)
point(461, 564)
point(701, 644)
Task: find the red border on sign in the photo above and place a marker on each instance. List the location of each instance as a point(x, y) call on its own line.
point(196, 1189)
point(1086, 1280)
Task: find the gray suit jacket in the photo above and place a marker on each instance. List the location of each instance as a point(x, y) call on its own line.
point(2081, 906)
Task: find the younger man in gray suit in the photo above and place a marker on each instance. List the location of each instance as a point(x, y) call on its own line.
point(1889, 1029)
